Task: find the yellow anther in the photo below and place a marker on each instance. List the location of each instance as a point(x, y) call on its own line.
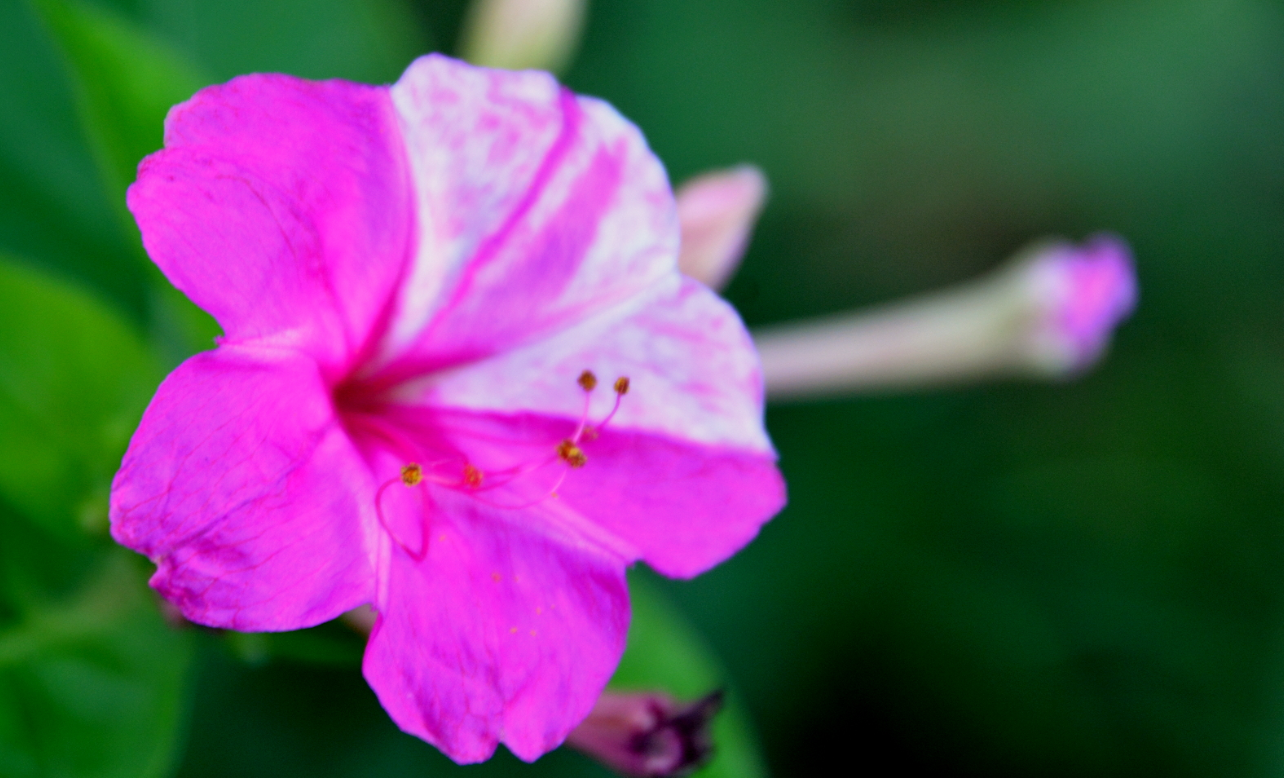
point(472, 477)
point(571, 454)
point(587, 381)
point(412, 474)
point(622, 385)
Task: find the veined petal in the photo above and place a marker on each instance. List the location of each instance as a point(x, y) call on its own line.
point(284, 208)
point(536, 209)
point(501, 632)
point(247, 493)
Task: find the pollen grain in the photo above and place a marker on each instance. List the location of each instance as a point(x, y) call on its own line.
point(412, 474)
point(571, 454)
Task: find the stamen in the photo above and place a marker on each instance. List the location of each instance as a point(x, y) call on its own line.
point(621, 389)
point(446, 473)
point(412, 474)
point(571, 454)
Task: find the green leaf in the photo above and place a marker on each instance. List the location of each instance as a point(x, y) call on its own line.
point(370, 41)
point(74, 379)
point(53, 209)
point(91, 685)
point(126, 83)
point(665, 652)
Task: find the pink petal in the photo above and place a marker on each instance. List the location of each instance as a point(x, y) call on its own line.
point(681, 506)
point(248, 495)
point(282, 207)
point(503, 632)
point(683, 476)
point(536, 209)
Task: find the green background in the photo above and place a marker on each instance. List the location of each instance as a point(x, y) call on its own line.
point(1081, 578)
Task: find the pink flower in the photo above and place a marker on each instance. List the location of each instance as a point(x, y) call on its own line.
point(413, 282)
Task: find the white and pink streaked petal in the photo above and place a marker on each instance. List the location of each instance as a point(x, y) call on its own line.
point(693, 372)
point(532, 202)
point(284, 208)
point(500, 633)
point(245, 491)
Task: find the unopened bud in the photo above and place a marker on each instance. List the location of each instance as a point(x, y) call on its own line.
point(1049, 313)
point(523, 34)
point(717, 212)
point(647, 734)
point(1081, 294)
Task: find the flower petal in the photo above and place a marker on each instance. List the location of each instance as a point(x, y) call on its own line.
point(532, 202)
point(683, 474)
point(500, 633)
point(284, 208)
point(247, 493)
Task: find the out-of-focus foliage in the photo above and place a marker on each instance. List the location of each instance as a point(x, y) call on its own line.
point(1056, 580)
point(74, 379)
point(92, 681)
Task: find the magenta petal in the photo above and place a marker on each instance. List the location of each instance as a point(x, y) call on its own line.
point(248, 495)
point(683, 507)
point(502, 633)
point(533, 202)
point(282, 207)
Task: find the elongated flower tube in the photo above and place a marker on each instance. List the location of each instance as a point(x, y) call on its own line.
point(462, 382)
point(717, 212)
point(1050, 313)
point(523, 34)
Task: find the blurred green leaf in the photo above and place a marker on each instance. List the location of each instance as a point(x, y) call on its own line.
point(665, 652)
point(370, 41)
point(74, 379)
point(126, 82)
point(92, 685)
point(332, 644)
point(53, 210)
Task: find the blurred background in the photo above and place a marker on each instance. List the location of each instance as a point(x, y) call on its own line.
point(1013, 579)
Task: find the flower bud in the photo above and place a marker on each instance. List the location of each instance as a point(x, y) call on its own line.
point(1081, 294)
point(523, 34)
point(648, 733)
point(1049, 313)
point(717, 212)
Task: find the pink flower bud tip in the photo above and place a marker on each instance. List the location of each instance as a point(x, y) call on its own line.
point(717, 212)
point(1085, 292)
point(648, 734)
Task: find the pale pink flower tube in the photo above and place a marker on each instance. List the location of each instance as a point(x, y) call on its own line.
point(1049, 313)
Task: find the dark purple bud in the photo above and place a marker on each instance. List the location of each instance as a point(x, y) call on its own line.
point(648, 733)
